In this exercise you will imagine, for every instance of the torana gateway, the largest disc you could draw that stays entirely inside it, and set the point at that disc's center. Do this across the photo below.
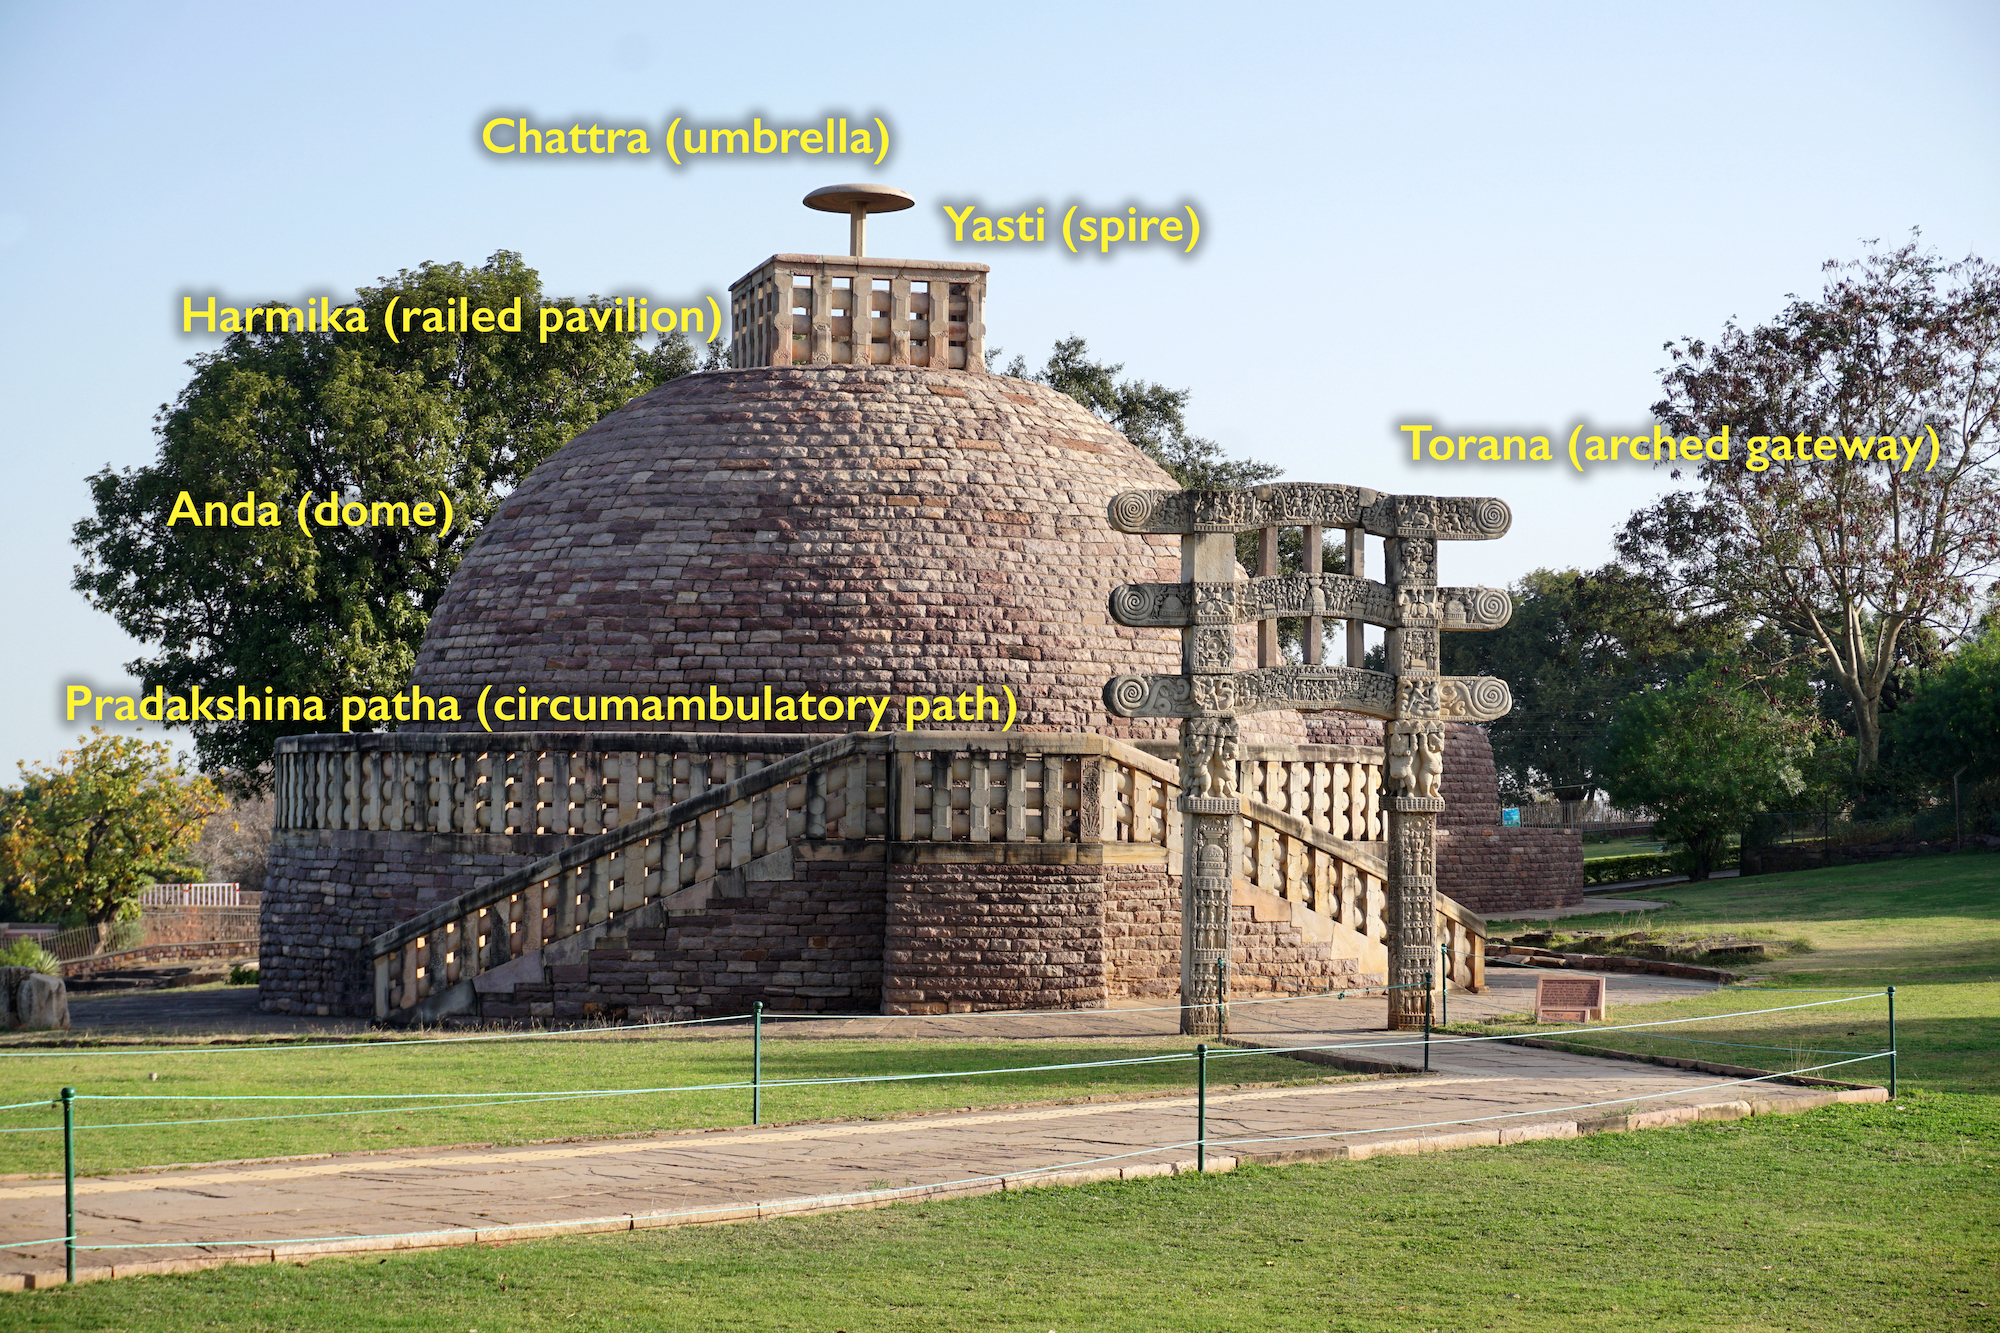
(858, 512)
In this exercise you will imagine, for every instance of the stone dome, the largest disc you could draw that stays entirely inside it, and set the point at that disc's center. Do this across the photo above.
(839, 529)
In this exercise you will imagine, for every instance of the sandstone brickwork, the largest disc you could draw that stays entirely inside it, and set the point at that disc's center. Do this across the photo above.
(814, 943)
(845, 530)
(328, 892)
(1142, 942)
(1495, 870)
(962, 938)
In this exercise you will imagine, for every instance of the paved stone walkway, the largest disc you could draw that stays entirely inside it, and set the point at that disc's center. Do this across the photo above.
(1480, 1094)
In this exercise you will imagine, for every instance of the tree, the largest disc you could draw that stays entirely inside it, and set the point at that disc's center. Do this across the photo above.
(1705, 755)
(1852, 547)
(1577, 646)
(460, 416)
(110, 817)
(1950, 725)
(1148, 414)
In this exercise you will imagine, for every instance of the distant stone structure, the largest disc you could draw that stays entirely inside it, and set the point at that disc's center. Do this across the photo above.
(856, 509)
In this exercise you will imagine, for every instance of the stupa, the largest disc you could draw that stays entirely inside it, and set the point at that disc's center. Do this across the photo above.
(857, 508)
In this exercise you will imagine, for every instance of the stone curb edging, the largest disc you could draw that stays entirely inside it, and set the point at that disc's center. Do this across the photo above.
(1733, 1109)
(1611, 962)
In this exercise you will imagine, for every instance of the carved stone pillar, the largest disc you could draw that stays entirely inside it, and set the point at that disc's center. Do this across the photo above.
(1209, 852)
(1208, 782)
(1414, 762)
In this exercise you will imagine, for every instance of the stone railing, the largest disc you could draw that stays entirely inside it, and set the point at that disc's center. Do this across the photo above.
(575, 783)
(828, 310)
(663, 828)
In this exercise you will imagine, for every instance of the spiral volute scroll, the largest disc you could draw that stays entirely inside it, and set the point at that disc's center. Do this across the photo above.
(1492, 518)
(1130, 510)
(1492, 608)
(1133, 604)
(1478, 698)
(1127, 695)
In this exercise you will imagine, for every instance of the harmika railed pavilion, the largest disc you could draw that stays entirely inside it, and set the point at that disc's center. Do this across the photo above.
(856, 508)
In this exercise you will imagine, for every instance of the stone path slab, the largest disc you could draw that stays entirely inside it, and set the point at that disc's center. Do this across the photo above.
(1480, 1094)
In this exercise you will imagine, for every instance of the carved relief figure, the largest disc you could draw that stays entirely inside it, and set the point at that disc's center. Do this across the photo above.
(1416, 606)
(1214, 603)
(1212, 752)
(1430, 764)
(1416, 559)
(1401, 774)
(1214, 694)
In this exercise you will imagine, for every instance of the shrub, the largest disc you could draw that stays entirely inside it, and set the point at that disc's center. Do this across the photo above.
(27, 953)
(240, 975)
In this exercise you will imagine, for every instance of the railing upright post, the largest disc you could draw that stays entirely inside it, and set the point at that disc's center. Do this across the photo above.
(757, 1064)
(69, 1184)
(1201, 1107)
(1892, 1043)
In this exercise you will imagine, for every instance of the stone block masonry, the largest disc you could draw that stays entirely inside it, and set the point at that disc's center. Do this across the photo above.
(328, 892)
(812, 943)
(1142, 938)
(1495, 870)
(961, 938)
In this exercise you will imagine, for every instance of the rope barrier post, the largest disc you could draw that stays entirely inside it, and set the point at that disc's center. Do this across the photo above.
(1444, 991)
(1427, 1021)
(1892, 1043)
(757, 1064)
(1201, 1107)
(69, 1184)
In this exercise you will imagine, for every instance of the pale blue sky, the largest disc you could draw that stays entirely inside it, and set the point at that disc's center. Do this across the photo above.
(1469, 214)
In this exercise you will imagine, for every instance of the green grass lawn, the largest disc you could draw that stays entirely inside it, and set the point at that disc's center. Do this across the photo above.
(514, 1067)
(1930, 926)
(1850, 1218)
(1593, 851)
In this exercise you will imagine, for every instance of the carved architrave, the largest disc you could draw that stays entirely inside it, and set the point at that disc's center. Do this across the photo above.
(1417, 696)
(1308, 689)
(1303, 504)
(1173, 605)
(1475, 608)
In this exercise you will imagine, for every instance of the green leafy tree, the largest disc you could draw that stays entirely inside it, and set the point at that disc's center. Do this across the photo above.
(1148, 414)
(1705, 755)
(1950, 724)
(1848, 553)
(1578, 645)
(430, 417)
(108, 818)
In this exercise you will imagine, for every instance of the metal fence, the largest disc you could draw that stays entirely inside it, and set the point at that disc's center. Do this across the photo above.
(170, 925)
